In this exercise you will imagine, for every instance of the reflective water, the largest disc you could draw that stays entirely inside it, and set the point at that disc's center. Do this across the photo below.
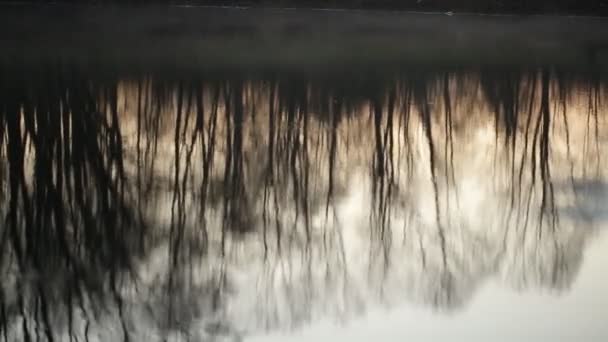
(446, 203)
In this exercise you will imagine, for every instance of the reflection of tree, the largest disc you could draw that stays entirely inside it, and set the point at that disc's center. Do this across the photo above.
(69, 229)
(215, 207)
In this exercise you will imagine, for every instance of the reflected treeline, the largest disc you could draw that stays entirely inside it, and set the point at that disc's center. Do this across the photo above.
(146, 207)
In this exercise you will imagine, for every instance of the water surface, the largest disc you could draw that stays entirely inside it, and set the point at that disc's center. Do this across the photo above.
(155, 194)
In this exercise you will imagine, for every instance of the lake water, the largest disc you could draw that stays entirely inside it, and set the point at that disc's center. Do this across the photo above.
(212, 174)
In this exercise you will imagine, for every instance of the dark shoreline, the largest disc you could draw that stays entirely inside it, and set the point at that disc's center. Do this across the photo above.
(494, 7)
(208, 38)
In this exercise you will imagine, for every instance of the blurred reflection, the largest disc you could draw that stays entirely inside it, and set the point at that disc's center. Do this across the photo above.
(143, 207)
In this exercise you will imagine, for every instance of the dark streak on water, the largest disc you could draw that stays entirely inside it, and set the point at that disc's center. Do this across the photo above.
(135, 201)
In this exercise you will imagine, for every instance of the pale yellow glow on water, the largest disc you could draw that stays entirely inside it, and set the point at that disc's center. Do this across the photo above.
(273, 219)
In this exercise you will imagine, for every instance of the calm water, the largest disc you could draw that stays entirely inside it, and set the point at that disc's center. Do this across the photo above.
(154, 194)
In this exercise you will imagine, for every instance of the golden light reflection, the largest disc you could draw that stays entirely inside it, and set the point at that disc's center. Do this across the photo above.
(262, 205)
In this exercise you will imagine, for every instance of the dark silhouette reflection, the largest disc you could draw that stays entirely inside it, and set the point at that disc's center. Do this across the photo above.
(142, 207)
